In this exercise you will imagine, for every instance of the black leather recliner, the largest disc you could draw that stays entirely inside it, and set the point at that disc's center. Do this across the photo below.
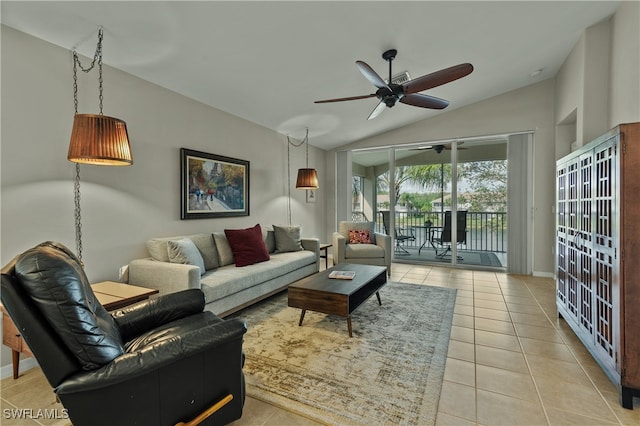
(159, 362)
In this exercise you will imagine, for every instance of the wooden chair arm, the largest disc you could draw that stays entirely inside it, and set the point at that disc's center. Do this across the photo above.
(206, 413)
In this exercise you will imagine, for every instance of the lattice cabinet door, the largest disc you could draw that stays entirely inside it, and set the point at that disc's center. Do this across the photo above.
(568, 235)
(598, 243)
(562, 223)
(605, 251)
(584, 243)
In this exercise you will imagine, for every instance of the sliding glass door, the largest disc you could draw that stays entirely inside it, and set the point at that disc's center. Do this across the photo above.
(443, 203)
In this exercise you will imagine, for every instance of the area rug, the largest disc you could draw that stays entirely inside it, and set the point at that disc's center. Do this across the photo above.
(467, 257)
(389, 373)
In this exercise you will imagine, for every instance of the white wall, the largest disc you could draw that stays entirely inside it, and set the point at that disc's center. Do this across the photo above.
(122, 207)
(598, 86)
(624, 77)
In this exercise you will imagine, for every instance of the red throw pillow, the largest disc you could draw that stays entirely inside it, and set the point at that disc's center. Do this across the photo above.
(359, 236)
(247, 245)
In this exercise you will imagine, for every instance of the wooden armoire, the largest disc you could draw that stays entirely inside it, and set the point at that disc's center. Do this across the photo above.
(598, 252)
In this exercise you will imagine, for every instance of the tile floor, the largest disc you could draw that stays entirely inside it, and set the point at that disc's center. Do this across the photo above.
(510, 362)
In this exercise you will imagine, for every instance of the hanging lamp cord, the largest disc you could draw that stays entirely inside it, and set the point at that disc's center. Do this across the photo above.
(289, 144)
(97, 58)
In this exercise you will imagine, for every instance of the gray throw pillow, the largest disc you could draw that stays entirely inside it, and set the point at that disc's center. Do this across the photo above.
(184, 251)
(287, 238)
(224, 249)
(269, 239)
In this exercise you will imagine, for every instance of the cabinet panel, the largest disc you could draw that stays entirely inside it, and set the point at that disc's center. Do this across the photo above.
(598, 231)
(584, 243)
(605, 249)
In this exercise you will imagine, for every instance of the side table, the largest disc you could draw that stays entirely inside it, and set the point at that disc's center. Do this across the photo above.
(112, 295)
(11, 337)
(324, 247)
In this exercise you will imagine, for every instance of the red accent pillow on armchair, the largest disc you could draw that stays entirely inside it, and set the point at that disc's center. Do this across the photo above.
(359, 236)
(247, 245)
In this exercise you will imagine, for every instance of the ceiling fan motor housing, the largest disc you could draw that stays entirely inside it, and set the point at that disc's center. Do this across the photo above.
(390, 95)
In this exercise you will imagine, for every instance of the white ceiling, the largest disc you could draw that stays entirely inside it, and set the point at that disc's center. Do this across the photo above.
(268, 61)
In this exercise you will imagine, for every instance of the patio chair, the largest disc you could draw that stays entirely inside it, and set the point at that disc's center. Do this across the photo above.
(401, 235)
(442, 244)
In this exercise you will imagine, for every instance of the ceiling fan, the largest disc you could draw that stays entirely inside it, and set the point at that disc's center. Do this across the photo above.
(390, 93)
(438, 148)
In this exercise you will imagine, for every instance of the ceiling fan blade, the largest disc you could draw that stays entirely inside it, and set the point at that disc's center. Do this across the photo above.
(437, 78)
(351, 98)
(377, 110)
(371, 75)
(424, 101)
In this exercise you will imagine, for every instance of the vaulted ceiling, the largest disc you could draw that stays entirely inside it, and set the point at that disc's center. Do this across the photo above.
(268, 61)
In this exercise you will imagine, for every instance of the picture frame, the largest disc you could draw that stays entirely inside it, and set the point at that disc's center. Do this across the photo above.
(311, 195)
(212, 185)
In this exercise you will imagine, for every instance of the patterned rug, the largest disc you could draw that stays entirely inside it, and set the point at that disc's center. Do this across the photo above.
(389, 373)
(467, 257)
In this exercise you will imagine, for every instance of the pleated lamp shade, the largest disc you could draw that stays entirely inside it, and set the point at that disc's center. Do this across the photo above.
(99, 140)
(307, 179)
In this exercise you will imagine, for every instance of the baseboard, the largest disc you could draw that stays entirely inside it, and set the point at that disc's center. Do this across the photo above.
(25, 364)
(543, 274)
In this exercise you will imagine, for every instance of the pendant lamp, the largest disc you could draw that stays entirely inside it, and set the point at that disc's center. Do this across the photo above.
(95, 138)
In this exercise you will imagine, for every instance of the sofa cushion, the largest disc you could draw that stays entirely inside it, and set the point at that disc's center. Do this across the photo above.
(207, 248)
(159, 251)
(287, 238)
(346, 226)
(225, 255)
(53, 277)
(229, 280)
(247, 245)
(184, 251)
(269, 239)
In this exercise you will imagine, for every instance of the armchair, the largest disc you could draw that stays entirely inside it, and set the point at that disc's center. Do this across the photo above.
(378, 252)
(162, 361)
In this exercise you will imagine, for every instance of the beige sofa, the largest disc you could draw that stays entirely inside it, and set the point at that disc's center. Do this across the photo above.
(227, 288)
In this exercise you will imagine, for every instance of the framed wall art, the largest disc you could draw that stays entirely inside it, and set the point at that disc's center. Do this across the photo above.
(311, 195)
(212, 185)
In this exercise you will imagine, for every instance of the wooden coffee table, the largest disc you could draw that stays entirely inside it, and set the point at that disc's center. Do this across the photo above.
(320, 293)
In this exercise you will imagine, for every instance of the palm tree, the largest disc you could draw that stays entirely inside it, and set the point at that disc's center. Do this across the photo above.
(429, 176)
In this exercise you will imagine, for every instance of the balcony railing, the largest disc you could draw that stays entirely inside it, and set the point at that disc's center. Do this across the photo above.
(486, 231)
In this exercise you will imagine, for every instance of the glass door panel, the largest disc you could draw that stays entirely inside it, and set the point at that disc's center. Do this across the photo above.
(434, 215)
